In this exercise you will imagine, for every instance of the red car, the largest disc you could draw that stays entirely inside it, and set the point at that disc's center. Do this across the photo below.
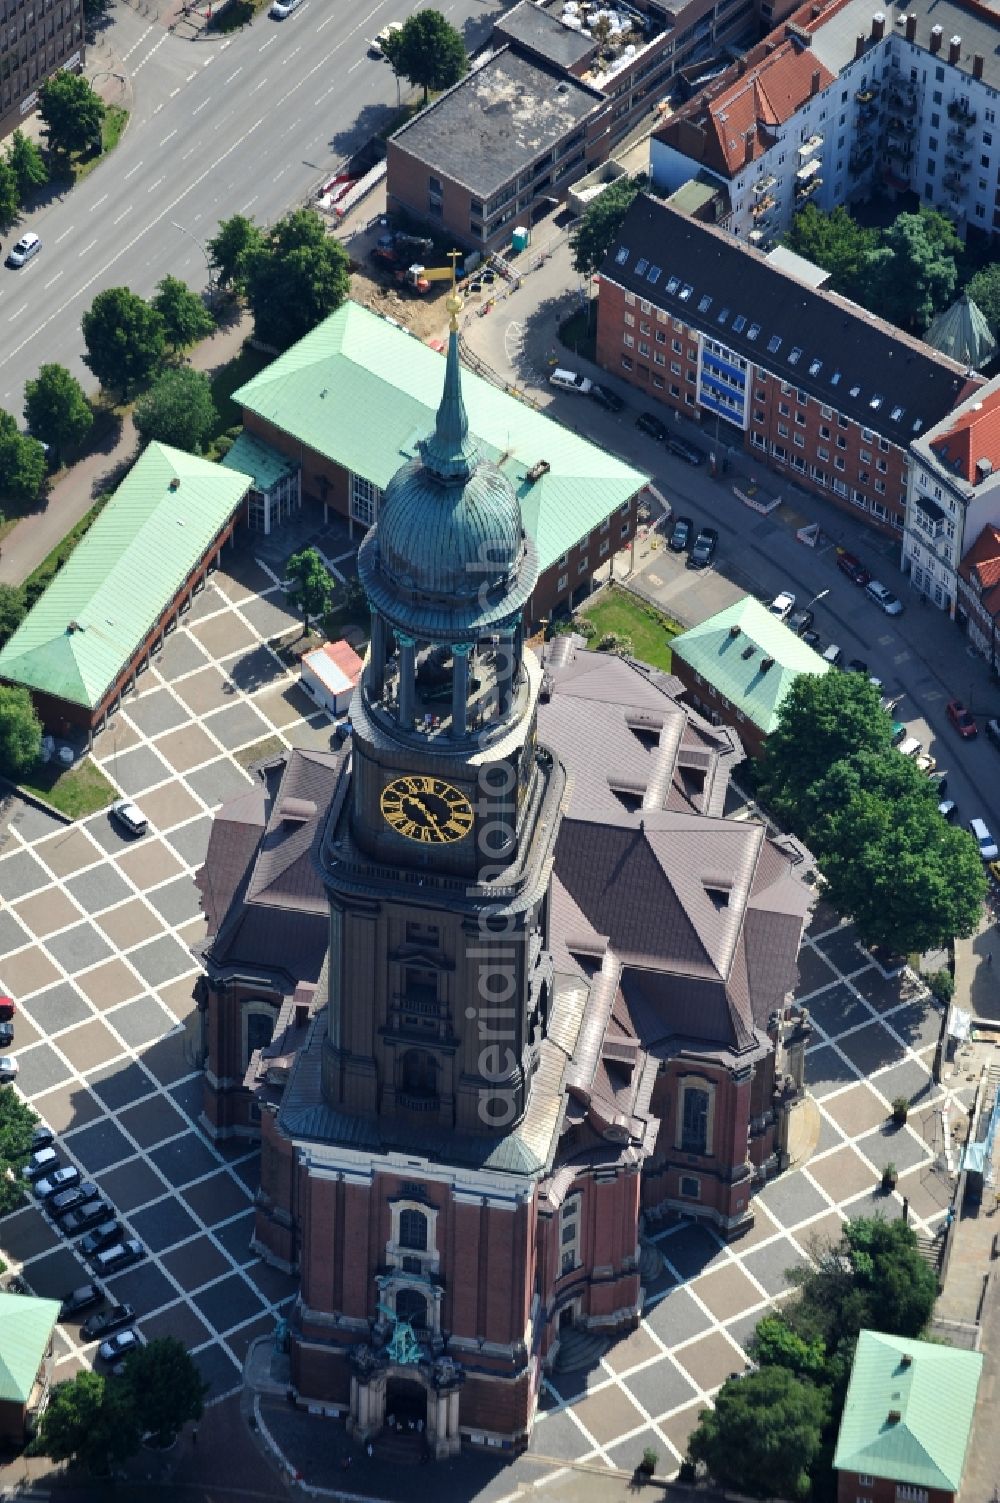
(852, 566)
(7, 1009)
(962, 720)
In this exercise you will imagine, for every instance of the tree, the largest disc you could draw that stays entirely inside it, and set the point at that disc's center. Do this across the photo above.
(27, 164)
(166, 1390)
(874, 1276)
(90, 1421)
(124, 339)
(296, 279)
(13, 608)
(313, 585)
(913, 274)
(185, 317)
(20, 733)
(775, 1344)
(73, 113)
(763, 1435)
(10, 199)
(17, 1123)
(824, 719)
(178, 410)
(22, 462)
(984, 290)
(836, 242)
(599, 226)
(427, 51)
(229, 252)
(56, 410)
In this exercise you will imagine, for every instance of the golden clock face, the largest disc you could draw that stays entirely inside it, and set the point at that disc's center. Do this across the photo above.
(426, 809)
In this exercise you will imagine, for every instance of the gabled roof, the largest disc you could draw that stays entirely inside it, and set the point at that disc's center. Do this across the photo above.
(26, 1325)
(730, 651)
(113, 588)
(962, 332)
(908, 1412)
(362, 393)
(981, 565)
(972, 434)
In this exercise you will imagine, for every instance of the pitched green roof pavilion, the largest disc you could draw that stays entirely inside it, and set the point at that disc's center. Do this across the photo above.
(363, 393)
(25, 1330)
(719, 650)
(116, 584)
(908, 1413)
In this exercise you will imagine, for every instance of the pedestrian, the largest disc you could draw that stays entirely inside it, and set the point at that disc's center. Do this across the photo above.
(989, 957)
(370, 1449)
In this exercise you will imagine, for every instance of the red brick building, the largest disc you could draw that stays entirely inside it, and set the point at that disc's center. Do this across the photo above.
(804, 379)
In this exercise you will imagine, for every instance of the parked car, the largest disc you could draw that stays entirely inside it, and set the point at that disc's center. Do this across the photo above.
(8, 1007)
(782, 605)
(8, 1069)
(962, 719)
(119, 1255)
(60, 1179)
(606, 398)
(42, 1137)
(646, 422)
(571, 381)
(980, 833)
(282, 8)
(680, 534)
(6, 1035)
(104, 1235)
(833, 655)
(684, 449)
(993, 732)
(129, 816)
(79, 1300)
(41, 1162)
(851, 565)
(68, 1200)
(704, 548)
(376, 45)
(857, 665)
(811, 639)
(25, 250)
(102, 1324)
(119, 1345)
(85, 1216)
(883, 598)
(947, 808)
(800, 621)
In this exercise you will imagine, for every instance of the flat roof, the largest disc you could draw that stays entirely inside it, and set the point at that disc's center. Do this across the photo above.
(498, 120)
(538, 28)
(362, 393)
(112, 590)
(834, 36)
(335, 664)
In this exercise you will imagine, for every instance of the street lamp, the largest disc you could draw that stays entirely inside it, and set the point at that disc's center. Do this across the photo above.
(208, 260)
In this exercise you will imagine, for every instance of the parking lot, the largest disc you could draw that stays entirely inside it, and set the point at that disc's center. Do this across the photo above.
(95, 936)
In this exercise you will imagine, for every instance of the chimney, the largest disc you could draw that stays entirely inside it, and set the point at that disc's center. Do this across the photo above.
(741, 65)
(977, 65)
(936, 37)
(984, 469)
(878, 26)
(859, 45)
(766, 665)
(954, 51)
(817, 11)
(894, 1417)
(911, 28)
(906, 1360)
(734, 631)
(814, 83)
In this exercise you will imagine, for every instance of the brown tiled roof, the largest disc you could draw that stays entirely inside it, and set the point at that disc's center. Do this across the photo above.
(972, 435)
(982, 564)
(236, 831)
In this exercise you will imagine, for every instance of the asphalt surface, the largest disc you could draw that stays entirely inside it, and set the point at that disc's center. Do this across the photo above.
(249, 124)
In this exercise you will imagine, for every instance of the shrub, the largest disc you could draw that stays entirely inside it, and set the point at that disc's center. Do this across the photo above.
(942, 985)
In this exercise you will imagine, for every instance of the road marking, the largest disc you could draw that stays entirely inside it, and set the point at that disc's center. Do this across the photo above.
(271, 41)
(326, 22)
(52, 280)
(131, 171)
(199, 107)
(209, 59)
(248, 205)
(63, 235)
(20, 310)
(191, 75)
(157, 110)
(189, 153)
(88, 248)
(234, 74)
(153, 186)
(280, 174)
(123, 215)
(137, 44)
(174, 92)
(143, 61)
(351, 69)
(98, 203)
(261, 85)
(169, 137)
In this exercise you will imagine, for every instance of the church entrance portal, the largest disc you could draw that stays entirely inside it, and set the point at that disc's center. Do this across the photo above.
(406, 1402)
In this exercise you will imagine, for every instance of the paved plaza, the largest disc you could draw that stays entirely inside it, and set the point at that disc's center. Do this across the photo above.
(95, 936)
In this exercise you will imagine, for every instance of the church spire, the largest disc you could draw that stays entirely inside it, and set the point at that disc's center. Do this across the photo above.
(449, 452)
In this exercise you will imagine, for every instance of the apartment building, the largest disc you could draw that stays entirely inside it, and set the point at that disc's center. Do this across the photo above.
(953, 496)
(844, 97)
(768, 361)
(978, 608)
(36, 38)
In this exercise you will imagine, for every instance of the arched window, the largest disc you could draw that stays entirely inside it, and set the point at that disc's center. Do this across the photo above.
(411, 1306)
(258, 1027)
(413, 1230)
(419, 1073)
(694, 1122)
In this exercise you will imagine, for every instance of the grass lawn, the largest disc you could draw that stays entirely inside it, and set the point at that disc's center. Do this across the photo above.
(76, 791)
(620, 611)
(112, 130)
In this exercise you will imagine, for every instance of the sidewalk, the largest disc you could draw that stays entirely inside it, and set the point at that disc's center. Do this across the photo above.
(72, 496)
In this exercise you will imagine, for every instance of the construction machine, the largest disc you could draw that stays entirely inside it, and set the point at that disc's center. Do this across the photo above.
(418, 279)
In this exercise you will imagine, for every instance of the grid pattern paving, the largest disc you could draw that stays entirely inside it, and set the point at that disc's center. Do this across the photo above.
(95, 936)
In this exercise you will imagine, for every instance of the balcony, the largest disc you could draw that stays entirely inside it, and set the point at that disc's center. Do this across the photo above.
(906, 104)
(960, 111)
(764, 184)
(867, 96)
(804, 174)
(808, 147)
(761, 208)
(960, 140)
(952, 182)
(411, 1101)
(806, 190)
(900, 149)
(860, 161)
(957, 161)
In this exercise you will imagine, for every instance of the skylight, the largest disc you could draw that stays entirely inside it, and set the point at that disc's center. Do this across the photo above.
(685, 292)
(723, 315)
(855, 391)
(774, 344)
(897, 413)
(640, 267)
(835, 379)
(654, 273)
(739, 323)
(794, 356)
(753, 331)
(704, 305)
(673, 285)
(623, 255)
(875, 403)
(815, 366)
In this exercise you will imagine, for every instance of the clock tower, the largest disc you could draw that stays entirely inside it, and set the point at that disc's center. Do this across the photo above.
(437, 868)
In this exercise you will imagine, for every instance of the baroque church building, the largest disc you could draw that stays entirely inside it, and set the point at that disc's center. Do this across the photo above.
(491, 982)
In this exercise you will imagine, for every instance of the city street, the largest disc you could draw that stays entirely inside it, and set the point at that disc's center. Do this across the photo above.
(249, 123)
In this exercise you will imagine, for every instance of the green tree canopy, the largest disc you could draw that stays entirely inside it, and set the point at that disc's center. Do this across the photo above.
(238, 240)
(296, 279)
(913, 274)
(776, 1344)
(89, 1420)
(124, 339)
(10, 198)
(56, 409)
(165, 1388)
(822, 720)
(17, 1123)
(593, 237)
(72, 111)
(873, 1277)
(984, 290)
(427, 51)
(313, 585)
(185, 317)
(178, 410)
(13, 607)
(763, 1435)
(836, 242)
(20, 733)
(27, 164)
(22, 463)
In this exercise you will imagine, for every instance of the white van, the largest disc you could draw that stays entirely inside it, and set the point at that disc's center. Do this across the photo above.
(910, 747)
(832, 655)
(570, 381)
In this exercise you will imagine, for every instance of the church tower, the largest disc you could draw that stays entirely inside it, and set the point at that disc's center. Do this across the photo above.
(437, 876)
